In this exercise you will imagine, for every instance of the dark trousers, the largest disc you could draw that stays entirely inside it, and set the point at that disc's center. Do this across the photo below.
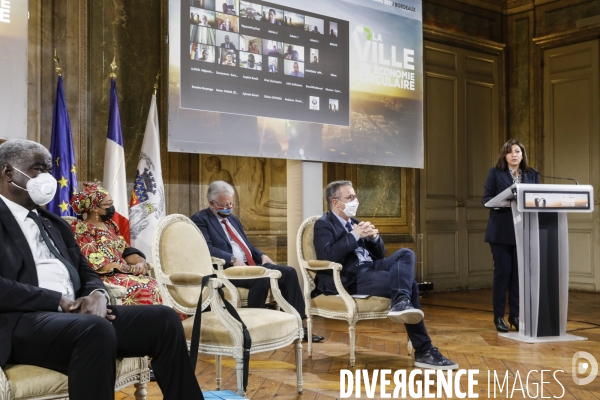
(394, 277)
(85, 347)
(288, 284)
(506, 277)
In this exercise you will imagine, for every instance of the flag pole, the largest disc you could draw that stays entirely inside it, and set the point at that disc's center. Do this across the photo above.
(113, 67)
(156, 83)
(58, 69)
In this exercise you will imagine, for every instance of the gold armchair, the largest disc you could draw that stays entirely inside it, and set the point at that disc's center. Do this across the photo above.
(181, 258)
(27, 382)
(343, 306)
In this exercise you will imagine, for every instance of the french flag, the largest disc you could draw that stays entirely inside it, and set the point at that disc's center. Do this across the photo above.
(114, 165)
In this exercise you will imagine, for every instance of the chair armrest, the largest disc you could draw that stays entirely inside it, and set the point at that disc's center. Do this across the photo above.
(320, 265)
(220, 263)
(4, 386)
(248, 272)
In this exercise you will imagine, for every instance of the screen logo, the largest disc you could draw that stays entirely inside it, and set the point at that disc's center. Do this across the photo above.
(584, 363)
(314, 102)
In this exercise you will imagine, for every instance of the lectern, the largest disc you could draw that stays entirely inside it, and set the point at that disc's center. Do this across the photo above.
(542, 235)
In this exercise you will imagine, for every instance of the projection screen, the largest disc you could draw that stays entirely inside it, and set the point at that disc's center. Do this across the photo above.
(321, 80)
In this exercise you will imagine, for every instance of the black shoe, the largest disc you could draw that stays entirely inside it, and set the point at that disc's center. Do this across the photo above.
(152, 377)
(403, 312)
(500, 324)
(432, 359)
(315, 338)
(514, 322)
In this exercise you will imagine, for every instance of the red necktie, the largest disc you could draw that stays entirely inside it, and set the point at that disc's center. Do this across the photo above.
(249, 259)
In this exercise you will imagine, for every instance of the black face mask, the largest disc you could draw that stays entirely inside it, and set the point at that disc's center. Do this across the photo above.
(110, 212)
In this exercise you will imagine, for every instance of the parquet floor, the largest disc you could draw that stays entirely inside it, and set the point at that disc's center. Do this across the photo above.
(459, 323)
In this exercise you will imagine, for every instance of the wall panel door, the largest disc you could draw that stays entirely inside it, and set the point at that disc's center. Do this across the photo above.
(462, 137)
(572, 146)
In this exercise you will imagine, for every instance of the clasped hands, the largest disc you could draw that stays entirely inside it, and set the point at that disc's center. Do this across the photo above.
(137, 264)
(265, 260)
(94, 304)
(366, 229)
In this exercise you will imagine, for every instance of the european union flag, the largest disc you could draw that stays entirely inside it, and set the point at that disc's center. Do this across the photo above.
(63, 157)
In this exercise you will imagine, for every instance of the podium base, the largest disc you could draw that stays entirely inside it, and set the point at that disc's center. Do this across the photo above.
(544, 339)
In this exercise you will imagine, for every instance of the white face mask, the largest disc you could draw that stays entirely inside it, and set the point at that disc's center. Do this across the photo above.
(41, 189)
(351, 208)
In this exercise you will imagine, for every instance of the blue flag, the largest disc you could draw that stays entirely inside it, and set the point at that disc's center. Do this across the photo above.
(63, 157)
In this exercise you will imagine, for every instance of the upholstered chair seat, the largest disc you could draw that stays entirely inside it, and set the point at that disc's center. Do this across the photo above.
(26, 382)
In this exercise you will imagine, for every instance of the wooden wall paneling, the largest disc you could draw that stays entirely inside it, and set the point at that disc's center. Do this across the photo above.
(572, 144)
(519, 35)
(561, 16)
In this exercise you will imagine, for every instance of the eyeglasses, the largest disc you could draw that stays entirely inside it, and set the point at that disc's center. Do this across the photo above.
(230, 205)
(352, 197)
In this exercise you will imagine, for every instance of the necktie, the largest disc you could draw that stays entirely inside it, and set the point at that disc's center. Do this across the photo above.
(233, 236)
(74, 275)
(349, 226)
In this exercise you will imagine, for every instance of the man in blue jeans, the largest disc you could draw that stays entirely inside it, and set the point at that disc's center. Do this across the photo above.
(357, 246)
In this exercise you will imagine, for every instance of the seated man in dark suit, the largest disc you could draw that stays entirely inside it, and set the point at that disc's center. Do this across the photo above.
(53, 306)
(227, 240)
(357, 246)
(227, 44)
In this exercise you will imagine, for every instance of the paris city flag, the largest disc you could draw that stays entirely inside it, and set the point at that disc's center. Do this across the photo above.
(114, 165)
(63, 156)
(147, 204)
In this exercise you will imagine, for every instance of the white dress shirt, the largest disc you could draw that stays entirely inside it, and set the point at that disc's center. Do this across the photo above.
(52, 273)
(238, 253)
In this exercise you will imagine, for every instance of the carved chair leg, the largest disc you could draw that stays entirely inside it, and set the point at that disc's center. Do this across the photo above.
(352, 332)
(218, 371)
(140, 391)
(298, 347)
(309, 320)
(409, 345)
(239, 370)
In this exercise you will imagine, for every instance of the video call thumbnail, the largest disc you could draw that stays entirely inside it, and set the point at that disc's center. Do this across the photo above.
(314, 56)
(227, 40)
(202, 35)
(293, 19)
(201, 52)
(274, 64)
(334, 105)
(314, 25)
(251, 44)
(272, 16)
(293, 52)
(293, 68)
(202, 17)
(272, 48)
(333, 29)
(226, 22)
(250, 61)
(227, 57)
(250, 10)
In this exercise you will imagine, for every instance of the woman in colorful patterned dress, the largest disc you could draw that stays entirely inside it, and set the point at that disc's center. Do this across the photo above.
(107, 251)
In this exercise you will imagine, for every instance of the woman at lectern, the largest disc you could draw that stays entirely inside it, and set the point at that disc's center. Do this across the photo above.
(510, 168)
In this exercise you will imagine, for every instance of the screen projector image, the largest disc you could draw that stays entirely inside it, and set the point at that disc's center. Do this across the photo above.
(346, 85)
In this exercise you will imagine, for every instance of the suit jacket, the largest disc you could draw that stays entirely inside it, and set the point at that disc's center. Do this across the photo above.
(231, 46)
(216, 239)
(500, 228)
(19, 290)
(334, 243)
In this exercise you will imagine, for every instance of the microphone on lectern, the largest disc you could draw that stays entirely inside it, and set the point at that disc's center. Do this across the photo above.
(553, 177)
